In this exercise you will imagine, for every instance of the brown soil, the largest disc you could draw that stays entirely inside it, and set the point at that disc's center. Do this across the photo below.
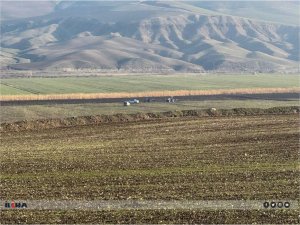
(99, 119)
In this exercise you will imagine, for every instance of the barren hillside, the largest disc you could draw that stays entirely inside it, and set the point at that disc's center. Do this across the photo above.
(150, 36)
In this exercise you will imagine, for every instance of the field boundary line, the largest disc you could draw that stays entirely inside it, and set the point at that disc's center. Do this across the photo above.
(100, 119)
(18, 88)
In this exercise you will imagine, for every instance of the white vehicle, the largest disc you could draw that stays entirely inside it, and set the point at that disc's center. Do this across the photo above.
(134, 101)
(126, 103)
(171, 100)
(129, 102)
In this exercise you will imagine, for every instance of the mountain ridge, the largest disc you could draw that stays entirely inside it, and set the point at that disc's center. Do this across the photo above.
(166, 38)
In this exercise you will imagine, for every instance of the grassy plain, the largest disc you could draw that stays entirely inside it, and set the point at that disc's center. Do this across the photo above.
(222, 158)
(34, 112)
(139, 83)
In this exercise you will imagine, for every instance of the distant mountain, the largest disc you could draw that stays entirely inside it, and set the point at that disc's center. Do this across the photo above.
(153, 36)
(11, 10)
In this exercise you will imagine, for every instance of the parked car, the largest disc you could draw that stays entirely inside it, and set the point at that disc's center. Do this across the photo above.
(135, 101)
(170, 100)
(129, 102)
(126, 103)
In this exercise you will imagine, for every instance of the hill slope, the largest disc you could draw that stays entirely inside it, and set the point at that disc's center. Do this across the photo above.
(149, 36)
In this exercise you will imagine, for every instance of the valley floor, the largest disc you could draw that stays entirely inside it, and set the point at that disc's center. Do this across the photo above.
(34, 110)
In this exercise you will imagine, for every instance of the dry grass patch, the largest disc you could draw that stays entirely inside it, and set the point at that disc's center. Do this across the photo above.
(148, 94)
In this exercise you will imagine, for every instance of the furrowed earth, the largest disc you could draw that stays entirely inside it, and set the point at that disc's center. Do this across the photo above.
(231, 157)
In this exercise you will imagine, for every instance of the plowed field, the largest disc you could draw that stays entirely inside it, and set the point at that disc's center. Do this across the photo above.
(211, 158)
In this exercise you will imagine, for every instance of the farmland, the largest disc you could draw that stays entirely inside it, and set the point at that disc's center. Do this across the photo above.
(73, 154)
(138, 86)
(13, 113)
(223, 158)
(143, 83)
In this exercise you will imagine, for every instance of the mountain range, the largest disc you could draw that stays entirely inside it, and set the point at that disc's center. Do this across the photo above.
(151, 36)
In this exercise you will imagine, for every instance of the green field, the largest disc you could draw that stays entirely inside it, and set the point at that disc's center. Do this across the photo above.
(34, 112)
(141, 83)
(216, 158)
